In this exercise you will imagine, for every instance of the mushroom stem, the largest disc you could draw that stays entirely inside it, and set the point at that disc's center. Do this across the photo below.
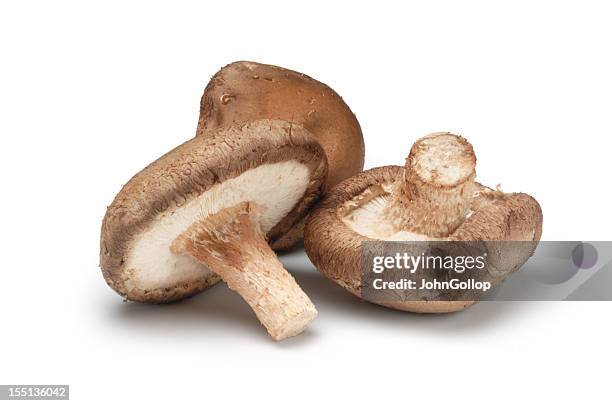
(231, 244)
(433, 195)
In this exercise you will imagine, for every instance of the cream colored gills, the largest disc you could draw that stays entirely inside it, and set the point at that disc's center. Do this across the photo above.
(367, 218)
(276, 187)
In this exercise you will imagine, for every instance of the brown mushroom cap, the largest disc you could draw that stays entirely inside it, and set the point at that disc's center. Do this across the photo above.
(357, 210)
(274, 164)
(245, 91)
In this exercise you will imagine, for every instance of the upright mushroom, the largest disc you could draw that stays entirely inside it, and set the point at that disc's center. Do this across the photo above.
(433, 197)
(206, 210)
(245, 91)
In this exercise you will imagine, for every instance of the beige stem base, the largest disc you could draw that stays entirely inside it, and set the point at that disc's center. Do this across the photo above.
(231, 244)
(429, 209)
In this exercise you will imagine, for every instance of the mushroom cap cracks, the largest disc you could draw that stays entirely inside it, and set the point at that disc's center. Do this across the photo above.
(352, 212)
(275, 164)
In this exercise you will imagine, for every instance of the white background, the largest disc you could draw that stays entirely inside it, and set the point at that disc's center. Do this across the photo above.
(91, 93)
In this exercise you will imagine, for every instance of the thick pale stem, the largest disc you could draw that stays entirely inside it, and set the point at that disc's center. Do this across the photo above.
(433, 196)
(231, 244)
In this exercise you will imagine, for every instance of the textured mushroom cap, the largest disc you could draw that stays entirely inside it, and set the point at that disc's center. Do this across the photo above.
(245, 91)
(275, 164)
(337, 227)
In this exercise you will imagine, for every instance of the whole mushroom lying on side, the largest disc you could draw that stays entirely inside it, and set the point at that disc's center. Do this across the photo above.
(245, 91)
(433, 197)
(206, 210)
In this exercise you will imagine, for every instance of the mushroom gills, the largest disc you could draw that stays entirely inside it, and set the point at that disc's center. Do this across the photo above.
(434, 196)
(366, 214)
(232, 244)
(368, 219)
(276, 187)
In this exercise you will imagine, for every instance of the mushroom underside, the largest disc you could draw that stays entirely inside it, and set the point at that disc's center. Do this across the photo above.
(277, 188)
(272, 164)
(355, 211)
(366, 214)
